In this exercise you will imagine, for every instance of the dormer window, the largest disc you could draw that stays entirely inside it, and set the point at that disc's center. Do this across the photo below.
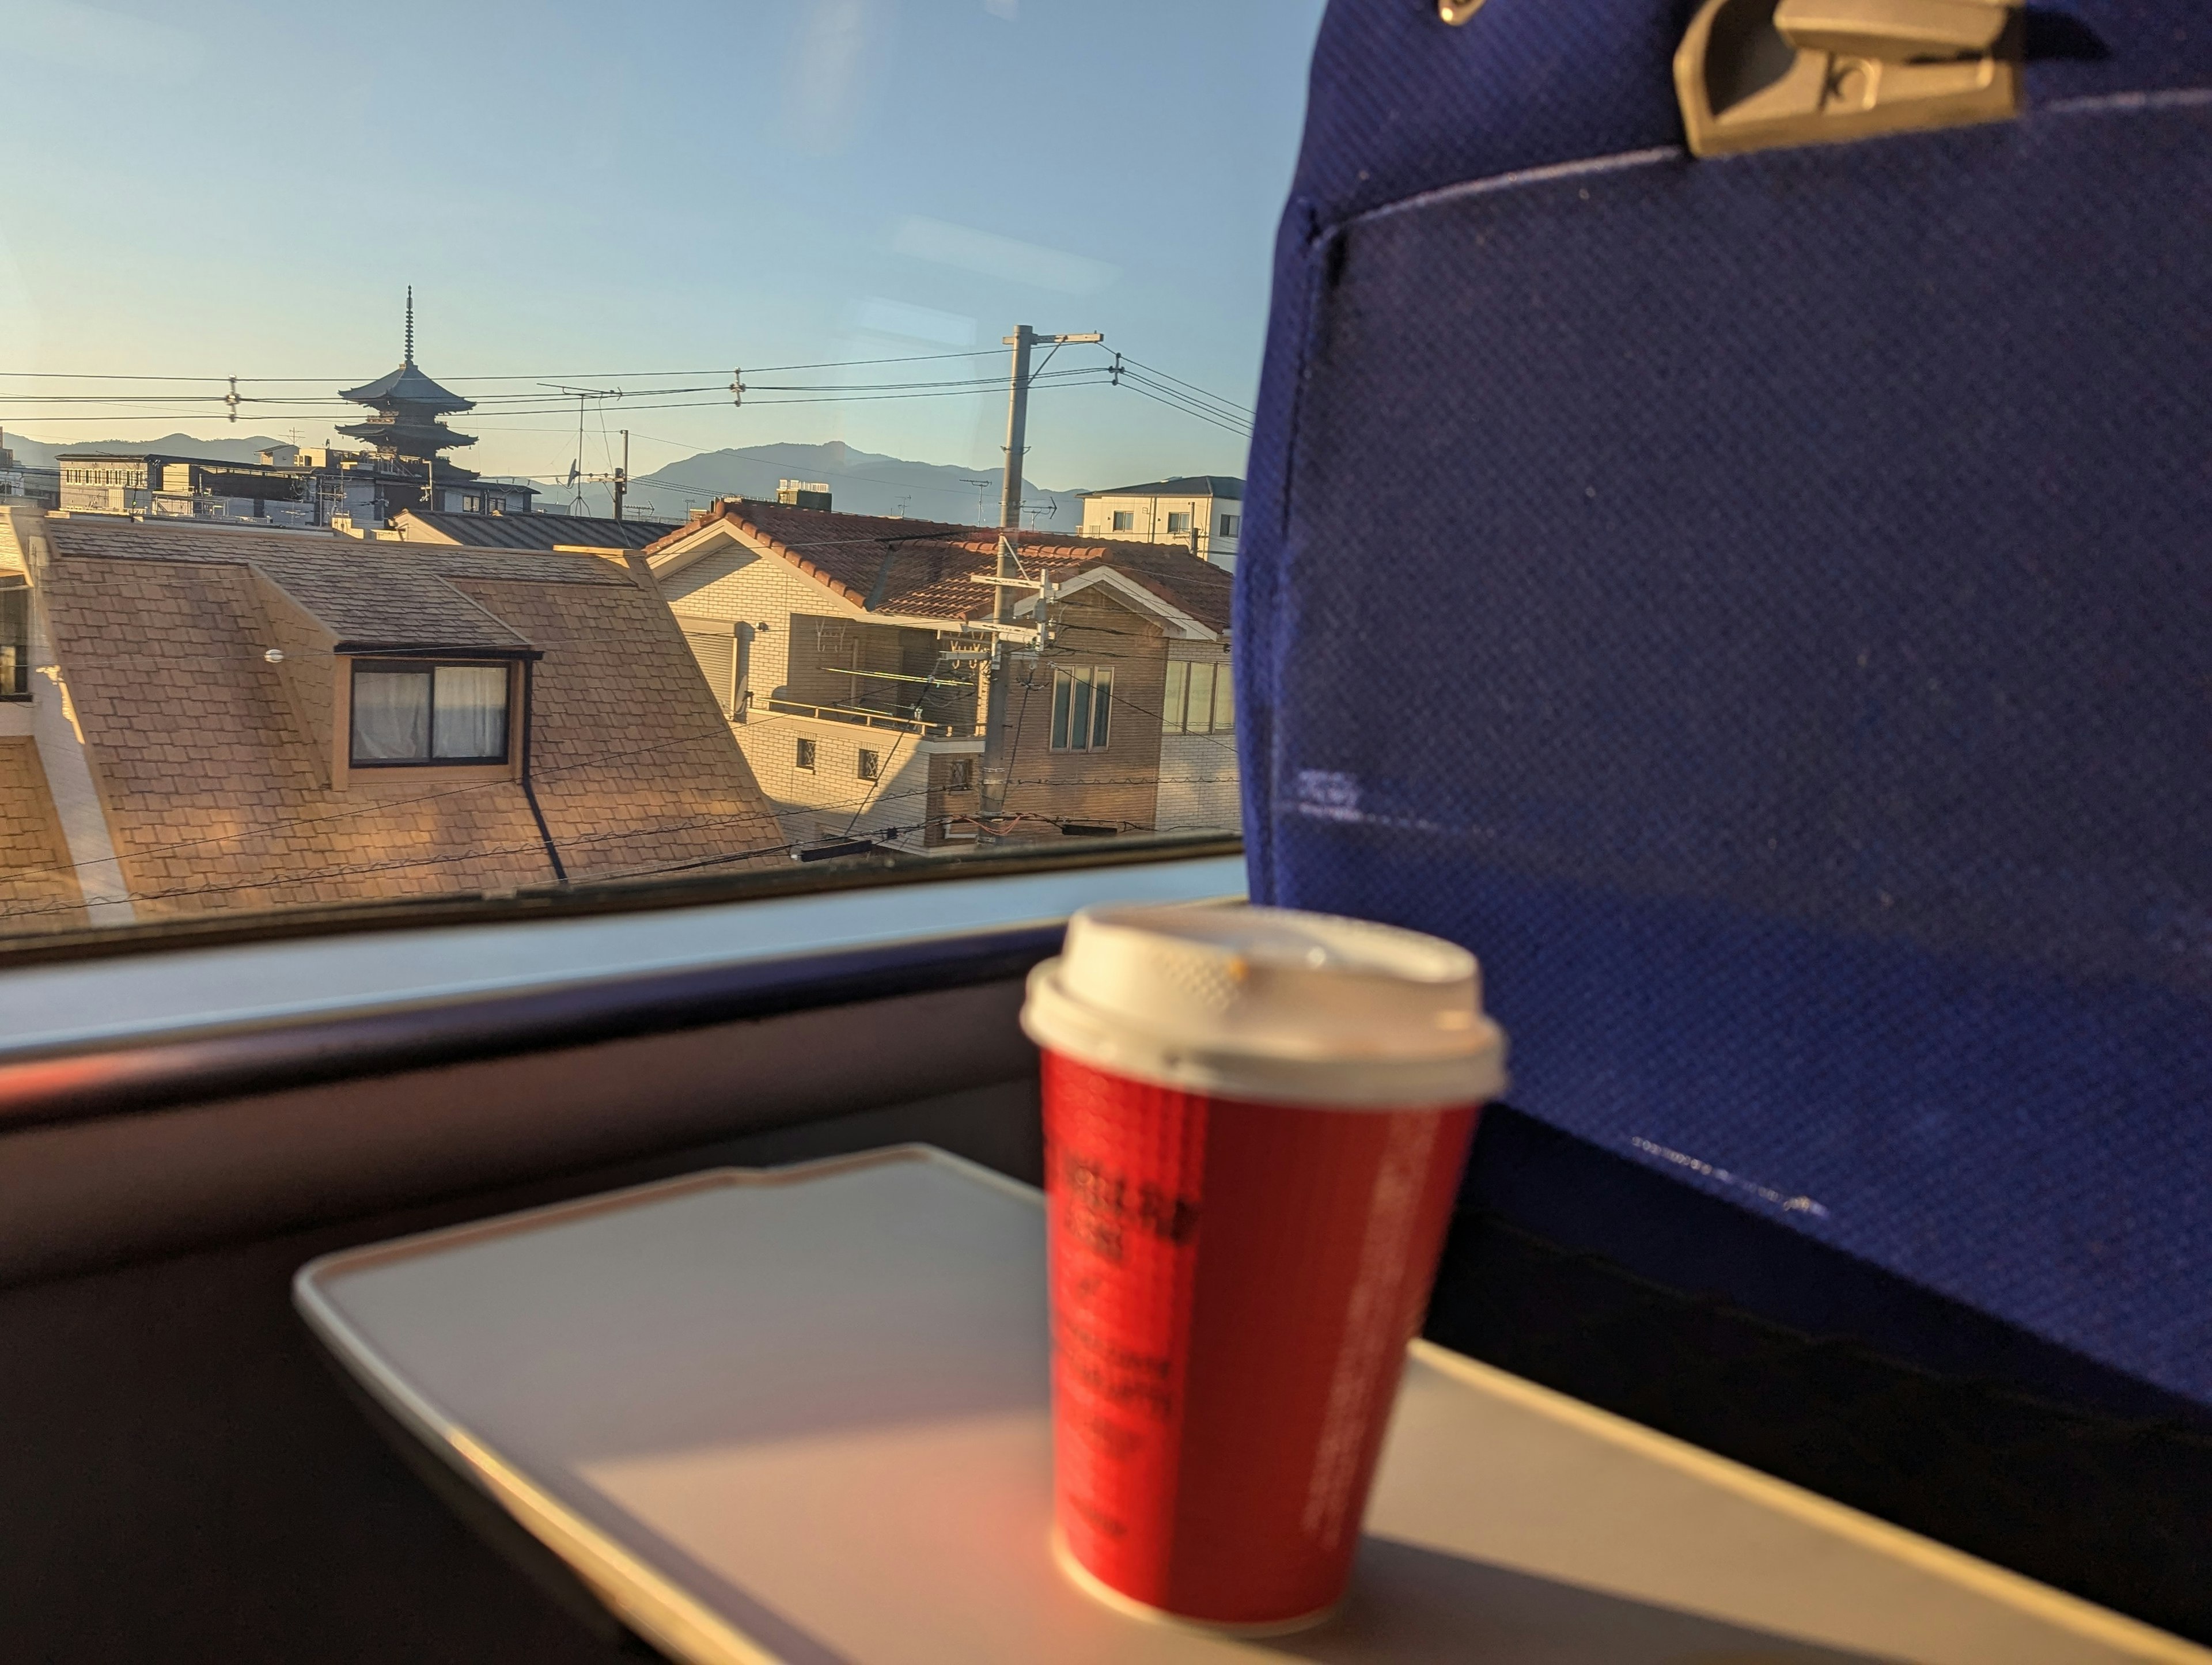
(407, 712)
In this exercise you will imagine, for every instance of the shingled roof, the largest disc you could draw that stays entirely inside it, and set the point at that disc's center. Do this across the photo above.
(530, 532)
(924, 569)
(214, 763)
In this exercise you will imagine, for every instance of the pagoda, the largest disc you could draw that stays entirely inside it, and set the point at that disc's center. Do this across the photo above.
(405, 429)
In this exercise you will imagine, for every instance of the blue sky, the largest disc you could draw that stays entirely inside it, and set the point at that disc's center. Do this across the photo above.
(585, 193)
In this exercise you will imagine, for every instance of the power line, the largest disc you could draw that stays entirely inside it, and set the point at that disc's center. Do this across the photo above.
(588, 375)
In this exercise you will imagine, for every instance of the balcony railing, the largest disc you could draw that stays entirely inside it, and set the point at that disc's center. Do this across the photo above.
(863, 718)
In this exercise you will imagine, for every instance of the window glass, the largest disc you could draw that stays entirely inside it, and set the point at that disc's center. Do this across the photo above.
(469, 711)
(390, 716)
(1078, 721)
(531, 524)
(430, 713)
(1171, 707)
(1225, 699)
(1082, 708)
(1202, 696)
(15, 640)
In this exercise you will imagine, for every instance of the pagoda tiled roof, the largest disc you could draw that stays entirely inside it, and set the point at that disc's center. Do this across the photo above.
(407, 385)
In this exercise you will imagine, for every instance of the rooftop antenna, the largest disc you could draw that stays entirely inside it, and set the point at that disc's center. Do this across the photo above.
(409, 356)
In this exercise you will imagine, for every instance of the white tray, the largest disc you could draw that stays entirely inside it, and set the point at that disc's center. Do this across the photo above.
(801, 1415)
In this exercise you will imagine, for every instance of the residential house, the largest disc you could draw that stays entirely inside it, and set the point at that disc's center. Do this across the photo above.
(1202, 512)
(196, 719)
(850, 655)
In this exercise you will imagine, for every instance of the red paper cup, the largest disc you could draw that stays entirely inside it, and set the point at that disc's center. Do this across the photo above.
(1255, 1125)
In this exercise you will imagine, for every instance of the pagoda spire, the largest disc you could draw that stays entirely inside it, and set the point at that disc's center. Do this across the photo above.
(407, 405)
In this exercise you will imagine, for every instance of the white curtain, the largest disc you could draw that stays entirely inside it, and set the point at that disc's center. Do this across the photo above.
(471, 703)
(390, 714)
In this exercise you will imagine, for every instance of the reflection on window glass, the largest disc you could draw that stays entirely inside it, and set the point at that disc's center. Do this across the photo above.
(687, 619)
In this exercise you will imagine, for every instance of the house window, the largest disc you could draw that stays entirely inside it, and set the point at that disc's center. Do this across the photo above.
(960, 774)
(1082, 708)
(1230, 523)
(806, 758)
(428, 714)
(1200, 698)
(15, 640)
(472, 503)
(870, 766)
(1179, 526)
(1125, 520)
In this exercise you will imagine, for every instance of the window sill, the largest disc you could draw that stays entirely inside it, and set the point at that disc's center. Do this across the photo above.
(148, 1029)
(412, 775)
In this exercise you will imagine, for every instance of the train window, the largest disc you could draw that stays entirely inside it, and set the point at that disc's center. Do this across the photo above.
(535, 568)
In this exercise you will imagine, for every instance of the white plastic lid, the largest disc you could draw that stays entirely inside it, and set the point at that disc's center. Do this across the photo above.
(1269, 1004)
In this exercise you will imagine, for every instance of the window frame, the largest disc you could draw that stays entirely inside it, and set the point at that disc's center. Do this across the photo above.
(1097, 713)
(1220, 697)
(428, 668)
(867, 763)
(15, 689)
(1125, 520)
(806, 754)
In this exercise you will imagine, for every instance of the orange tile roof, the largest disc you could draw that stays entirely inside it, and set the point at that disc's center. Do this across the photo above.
(217, 794)
(924, 569)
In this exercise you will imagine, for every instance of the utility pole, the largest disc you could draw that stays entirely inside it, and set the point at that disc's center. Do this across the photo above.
(621, 476)
(1008, 577)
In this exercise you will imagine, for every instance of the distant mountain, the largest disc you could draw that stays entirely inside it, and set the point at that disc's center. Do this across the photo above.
(40, 453)
(859, 482)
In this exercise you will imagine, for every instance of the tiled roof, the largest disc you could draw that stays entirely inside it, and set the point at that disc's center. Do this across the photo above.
(925, 570)
(215, 780)
(532, 532)
(407, 384)
(1190, 485)
(36, 876)
(371, 594)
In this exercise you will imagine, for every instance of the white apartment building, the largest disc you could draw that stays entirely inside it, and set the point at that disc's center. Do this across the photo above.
(1204, 512)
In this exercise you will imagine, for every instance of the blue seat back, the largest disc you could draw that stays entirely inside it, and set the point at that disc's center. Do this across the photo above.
(1764, 607)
